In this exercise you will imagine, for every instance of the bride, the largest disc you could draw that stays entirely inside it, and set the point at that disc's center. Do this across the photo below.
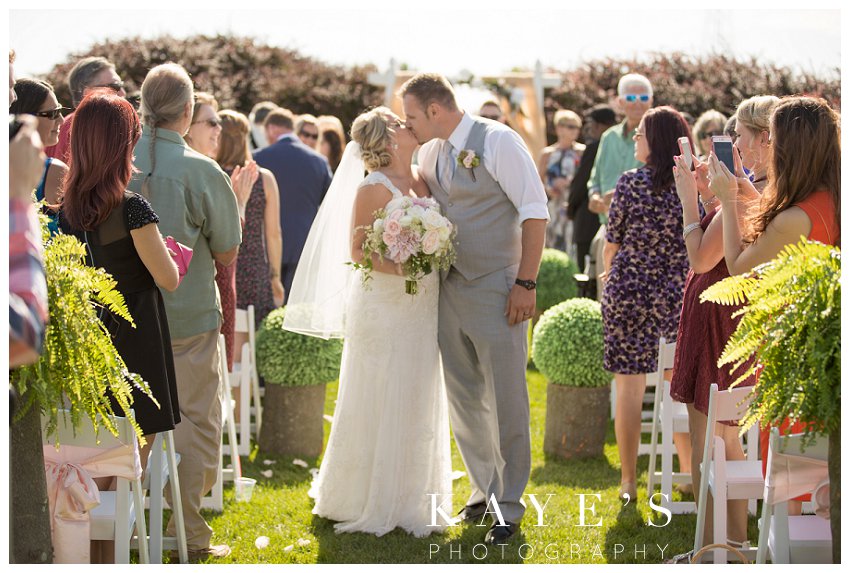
(388, 452)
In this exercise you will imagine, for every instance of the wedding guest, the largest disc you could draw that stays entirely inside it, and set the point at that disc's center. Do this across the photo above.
(307, 128)
(203, 137)
(258, 281)
(557, 165)
(303, 177)
(491, 109)
(257, 117)
(36, 97)
(616, 155)
(709, 123)
(802, 197)
(752, 127)
(331, 140)
(197, 206)
(729, 128)
(645, 267)
(90, 72)
(585, 224)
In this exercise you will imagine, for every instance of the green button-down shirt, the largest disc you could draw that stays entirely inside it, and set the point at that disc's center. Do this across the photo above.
(616, 155)
(196, 205)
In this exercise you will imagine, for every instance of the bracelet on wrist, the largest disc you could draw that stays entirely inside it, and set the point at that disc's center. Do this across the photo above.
(689, 229)
(709, 202)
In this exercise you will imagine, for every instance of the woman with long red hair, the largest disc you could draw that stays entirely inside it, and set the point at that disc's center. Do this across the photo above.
(120, 232)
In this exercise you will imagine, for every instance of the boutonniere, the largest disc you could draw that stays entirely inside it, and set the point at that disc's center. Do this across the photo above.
(467, 158)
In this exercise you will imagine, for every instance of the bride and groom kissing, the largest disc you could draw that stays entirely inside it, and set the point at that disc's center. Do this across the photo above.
(456, 351)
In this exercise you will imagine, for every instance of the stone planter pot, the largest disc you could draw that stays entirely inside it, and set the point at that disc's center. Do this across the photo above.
(576, 421)
(293, 420)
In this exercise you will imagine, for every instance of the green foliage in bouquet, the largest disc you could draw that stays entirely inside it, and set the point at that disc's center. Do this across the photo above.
(568, 344)
(791, 323)
(79, 362)
(555, 281)
(292, 359)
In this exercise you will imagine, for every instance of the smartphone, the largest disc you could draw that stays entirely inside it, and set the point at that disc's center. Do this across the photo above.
(687, 154)
(722, 145)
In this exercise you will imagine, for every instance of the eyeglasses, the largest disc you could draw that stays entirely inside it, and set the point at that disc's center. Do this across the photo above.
(705, 134)
(52, 114)
(308, 134)
(116, 86)
(633, 98)
(638, 135)
(212, 122)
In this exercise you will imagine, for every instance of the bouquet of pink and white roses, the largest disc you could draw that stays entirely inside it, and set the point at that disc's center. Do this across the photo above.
(409, 231)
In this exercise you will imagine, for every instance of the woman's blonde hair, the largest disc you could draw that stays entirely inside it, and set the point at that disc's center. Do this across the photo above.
(233, 143)
(165, 92)
(754, 113)
(565, 115)
(371, 130)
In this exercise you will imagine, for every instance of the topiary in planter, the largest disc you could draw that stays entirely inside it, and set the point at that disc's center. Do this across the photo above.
(555, 281)
(567, 347)
(296, 368)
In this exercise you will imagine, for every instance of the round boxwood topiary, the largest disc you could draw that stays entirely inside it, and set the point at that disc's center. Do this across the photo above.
(567, 345)
(555, 281)
(292, 359)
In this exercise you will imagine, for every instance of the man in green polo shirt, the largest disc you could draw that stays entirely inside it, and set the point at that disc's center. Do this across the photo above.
(196, 205)
(616, 156)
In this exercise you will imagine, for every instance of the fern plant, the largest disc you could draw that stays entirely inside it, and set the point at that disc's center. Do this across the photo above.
(791, 322)
(79, 363)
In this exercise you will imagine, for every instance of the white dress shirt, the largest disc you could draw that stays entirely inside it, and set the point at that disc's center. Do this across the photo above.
(508, 161)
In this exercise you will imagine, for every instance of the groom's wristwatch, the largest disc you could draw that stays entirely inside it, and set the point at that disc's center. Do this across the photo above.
(529, 284)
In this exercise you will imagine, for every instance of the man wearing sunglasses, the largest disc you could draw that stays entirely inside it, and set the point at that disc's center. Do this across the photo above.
(88, 73)
(616, 155)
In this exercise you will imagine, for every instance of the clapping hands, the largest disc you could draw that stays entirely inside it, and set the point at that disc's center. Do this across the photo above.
(243, 179)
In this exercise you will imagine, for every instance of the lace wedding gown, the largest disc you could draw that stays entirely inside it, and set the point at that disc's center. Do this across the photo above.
(389, 442)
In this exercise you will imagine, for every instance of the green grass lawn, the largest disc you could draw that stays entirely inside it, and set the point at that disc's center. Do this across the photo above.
(281, 510)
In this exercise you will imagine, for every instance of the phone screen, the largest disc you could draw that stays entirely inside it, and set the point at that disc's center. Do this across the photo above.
(723, 151)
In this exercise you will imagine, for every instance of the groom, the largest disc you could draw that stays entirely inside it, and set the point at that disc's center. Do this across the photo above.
(496, 200)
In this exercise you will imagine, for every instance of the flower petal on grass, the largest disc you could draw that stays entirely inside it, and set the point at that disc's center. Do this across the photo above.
(457, 474)
(261, 542)
(269, 462)
(329, 418)
(314, 472)
(303, 542)
(267, 473)
(300, 463)
(289, 548)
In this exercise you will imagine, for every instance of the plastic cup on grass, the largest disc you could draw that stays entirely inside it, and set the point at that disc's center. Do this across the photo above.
(244, 488)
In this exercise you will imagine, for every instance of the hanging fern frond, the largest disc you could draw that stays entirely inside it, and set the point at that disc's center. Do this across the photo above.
(792, 325)
(79, 366)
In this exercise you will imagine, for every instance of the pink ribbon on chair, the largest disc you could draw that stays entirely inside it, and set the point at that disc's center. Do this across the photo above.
(72, 492)
(792, 475)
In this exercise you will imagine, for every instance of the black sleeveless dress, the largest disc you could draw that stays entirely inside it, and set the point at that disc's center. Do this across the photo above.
(146, 349)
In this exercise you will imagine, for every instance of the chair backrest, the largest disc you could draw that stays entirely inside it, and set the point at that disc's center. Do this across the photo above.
(87, 435)
(666, 355)
(732, 404)
(792, 470)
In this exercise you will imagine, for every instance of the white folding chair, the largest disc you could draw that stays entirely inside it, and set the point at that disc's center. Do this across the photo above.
(792, 472)
(727, 479)
(668, 417)
(100, 454)
(244, 377)
(162, 469)
(214, 500)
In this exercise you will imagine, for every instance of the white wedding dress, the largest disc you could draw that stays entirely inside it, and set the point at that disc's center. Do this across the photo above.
(389, 442)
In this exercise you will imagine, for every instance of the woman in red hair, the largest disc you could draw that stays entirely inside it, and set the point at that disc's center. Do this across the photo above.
(120, 232)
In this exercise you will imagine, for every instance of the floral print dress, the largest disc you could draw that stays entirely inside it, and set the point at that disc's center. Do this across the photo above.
(642, 298)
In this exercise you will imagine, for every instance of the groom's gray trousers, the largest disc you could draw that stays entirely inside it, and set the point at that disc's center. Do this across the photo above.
(484, 361)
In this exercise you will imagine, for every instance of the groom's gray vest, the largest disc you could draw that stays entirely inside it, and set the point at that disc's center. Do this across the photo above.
(489, 237)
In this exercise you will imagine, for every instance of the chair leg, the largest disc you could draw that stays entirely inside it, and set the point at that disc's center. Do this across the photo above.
(174, 480)
(156, 502)
(653, 447)
(141, 530)
(666, 444)
(764, 532)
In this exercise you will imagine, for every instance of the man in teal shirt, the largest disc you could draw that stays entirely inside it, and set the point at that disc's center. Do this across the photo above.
(616, 156)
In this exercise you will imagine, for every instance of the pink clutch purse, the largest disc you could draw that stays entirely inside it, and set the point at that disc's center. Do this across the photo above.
(182, 256)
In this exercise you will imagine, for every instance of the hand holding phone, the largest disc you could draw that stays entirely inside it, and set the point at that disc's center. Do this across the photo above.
(722, 145)
(687, 154)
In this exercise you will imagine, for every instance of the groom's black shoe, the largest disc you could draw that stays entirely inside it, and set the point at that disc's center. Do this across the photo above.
(500, 533)
(472, 512)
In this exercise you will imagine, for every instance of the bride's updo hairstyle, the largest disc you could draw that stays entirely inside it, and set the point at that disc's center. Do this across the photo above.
(371, 130)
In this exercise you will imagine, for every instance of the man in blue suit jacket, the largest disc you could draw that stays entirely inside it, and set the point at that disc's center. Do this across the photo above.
(303, 177)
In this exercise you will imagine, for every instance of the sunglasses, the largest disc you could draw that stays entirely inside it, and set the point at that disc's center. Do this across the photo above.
(116, 86)
(308, 135)
(705, 134)
(52, 114)
(633, 98)
(213, 122)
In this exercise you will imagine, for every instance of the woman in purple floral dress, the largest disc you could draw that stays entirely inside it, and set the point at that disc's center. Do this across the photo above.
(645, 268)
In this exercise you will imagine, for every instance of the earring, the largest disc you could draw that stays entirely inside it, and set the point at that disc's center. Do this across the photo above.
(395, 145)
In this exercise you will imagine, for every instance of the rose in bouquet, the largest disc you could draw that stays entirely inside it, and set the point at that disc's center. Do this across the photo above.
(409, 231)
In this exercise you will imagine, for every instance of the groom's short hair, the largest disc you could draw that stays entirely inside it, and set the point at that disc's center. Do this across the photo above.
(430, 88)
